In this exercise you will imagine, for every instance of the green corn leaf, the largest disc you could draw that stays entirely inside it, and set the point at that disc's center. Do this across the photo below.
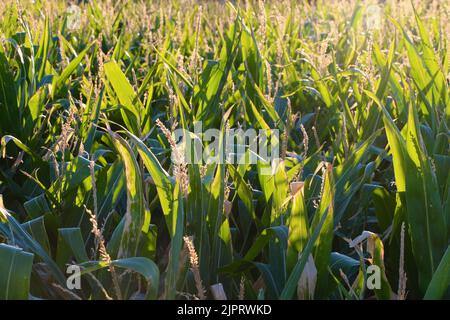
(298, 227)
(15, 273)
(37, 206)
(424, 207)
(126, 95)
(322, 246)
(10, 121)
(44, 46)
(70, 245)
(441, 279)
(292, 281)
(36, 229)
(28, 243)
(146, 267)
(176, 233)
(60, 80)
(134, 216)
(158, 174)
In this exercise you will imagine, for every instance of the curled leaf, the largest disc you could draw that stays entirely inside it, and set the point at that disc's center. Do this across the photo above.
(308, 279)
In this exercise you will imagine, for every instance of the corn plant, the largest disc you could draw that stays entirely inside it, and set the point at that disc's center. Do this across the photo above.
(99, 201)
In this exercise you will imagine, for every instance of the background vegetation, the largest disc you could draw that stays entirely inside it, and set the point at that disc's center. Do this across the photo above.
(359, 90)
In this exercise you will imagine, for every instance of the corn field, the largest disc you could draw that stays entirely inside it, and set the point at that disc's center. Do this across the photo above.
(98, 201)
